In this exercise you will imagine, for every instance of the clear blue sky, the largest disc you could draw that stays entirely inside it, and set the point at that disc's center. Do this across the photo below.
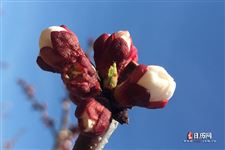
(186, 37)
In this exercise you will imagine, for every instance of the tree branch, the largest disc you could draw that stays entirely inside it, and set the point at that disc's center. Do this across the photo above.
(85, 142)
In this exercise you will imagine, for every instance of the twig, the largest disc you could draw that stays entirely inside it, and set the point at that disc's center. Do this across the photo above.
(8, 145)
(85, 142)
(63, 124)
(63, 137)
(36, 105)
(65, 113)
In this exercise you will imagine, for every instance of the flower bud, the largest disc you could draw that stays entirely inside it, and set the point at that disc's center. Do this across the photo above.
(93, 117)
(57, 45)
(147, 86)
(81, 81)
(60, 52)
(117, 48)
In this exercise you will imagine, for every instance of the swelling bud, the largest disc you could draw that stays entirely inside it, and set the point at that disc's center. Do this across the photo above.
(147, 86)
(93, 117)
(116, 48)
(57, 45)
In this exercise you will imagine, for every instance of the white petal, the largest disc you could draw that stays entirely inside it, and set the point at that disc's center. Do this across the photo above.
(45, 38)
(158, 82)
(124, 35)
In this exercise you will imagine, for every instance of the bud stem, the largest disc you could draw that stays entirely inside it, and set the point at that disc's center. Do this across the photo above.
(85, 142)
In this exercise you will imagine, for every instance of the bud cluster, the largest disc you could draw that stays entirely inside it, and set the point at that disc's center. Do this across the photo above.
(117, 83)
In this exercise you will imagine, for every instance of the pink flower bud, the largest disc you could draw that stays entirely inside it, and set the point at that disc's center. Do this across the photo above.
(93, 117)
(147, 86)
(57, 46)
(117, 48)
(81, 80)
(60, 52)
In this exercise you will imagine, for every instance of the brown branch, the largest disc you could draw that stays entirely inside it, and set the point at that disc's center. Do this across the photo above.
(63, 124)
(63, 137)
(65, 114)
(85, 142)
(38, 106)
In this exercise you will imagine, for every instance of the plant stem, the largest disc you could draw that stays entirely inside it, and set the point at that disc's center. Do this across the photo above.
(85, 142)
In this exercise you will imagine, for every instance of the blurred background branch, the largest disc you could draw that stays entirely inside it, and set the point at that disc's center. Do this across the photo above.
(10, 143)
(63, 137)
(48, 121)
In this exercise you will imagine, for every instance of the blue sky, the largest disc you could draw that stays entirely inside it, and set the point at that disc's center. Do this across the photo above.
(185, 37)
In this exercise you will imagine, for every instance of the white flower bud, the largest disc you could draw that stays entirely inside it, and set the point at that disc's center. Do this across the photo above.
(45, 38)
(158, 82)
(125, 35)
